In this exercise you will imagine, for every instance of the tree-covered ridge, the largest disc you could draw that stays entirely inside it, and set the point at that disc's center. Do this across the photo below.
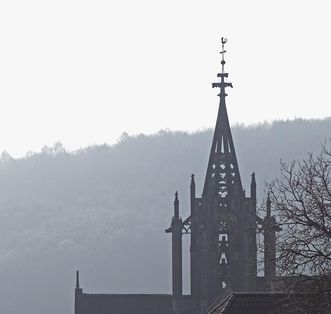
(103, 209)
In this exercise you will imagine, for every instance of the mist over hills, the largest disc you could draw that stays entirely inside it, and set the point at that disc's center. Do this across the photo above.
(103, 209)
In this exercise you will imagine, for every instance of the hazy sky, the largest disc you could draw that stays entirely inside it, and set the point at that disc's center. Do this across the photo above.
(82, 72)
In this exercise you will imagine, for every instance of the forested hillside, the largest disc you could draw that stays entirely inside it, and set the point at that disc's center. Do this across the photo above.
(103, 209)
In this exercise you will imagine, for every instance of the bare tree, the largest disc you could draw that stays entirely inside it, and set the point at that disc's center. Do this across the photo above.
(301, 200)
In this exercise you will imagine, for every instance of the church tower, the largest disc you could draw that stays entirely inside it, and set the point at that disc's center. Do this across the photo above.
(222, 224)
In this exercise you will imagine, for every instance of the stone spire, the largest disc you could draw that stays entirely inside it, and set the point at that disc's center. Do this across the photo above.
(222, 170)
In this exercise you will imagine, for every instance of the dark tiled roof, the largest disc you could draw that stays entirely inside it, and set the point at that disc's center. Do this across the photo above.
(267, 303)
(123, 304)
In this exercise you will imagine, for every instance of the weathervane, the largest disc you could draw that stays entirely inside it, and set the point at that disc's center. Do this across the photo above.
(224, 41)
(222, 85)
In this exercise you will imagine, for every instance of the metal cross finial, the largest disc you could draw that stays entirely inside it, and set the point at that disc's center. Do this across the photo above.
(222, 85)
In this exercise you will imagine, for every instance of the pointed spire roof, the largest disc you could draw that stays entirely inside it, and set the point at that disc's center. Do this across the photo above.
(222, 172)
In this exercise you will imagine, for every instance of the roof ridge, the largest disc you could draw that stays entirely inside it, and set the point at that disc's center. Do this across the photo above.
(226, 300)
(230, 302)
(259, 292)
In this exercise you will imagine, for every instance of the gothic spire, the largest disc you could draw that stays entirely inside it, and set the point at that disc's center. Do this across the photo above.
(222, 171)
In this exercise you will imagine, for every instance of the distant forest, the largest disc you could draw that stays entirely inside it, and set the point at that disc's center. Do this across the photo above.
(103, 209)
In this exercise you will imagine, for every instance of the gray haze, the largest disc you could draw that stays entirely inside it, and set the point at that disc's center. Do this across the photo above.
(103, 209)
(82, 71)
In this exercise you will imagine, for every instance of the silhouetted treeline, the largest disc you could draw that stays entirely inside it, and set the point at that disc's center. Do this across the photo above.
(103, 209)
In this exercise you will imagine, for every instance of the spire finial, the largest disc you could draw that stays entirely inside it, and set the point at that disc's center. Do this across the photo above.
(192, 189)
(77, 279)
(253, 181)
(176, 206)
(253, 187)
(222, 85)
